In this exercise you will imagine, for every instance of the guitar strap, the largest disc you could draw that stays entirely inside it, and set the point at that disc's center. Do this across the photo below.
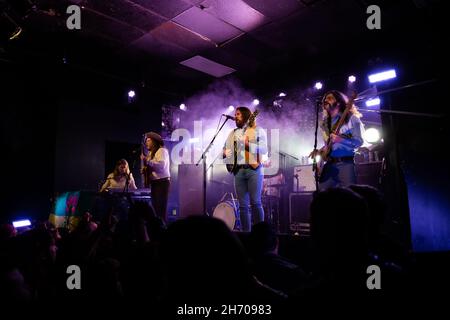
(234, 149)
(335, 125)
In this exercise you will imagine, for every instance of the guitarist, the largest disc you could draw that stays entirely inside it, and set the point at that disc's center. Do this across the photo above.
(156, 169)
(339, 169)
(244, 148)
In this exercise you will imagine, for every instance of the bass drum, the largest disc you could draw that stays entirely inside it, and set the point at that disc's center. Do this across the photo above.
(228, 212)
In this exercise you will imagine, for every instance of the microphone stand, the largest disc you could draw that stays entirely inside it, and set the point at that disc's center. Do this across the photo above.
(203, 158)
(316, 174)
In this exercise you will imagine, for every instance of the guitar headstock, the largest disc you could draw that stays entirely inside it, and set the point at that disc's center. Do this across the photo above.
(251, 119)
(352, 98)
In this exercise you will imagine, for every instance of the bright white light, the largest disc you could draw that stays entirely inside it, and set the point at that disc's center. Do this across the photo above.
(372, 135)
(131, 93)
(21, 223)
(194, 140)
(230, 108)
(318, 158)
(282, 94)
(162, 124)
(318, 85)
(255, 102)
(352, 79)
(373, 102)
(182, 106)
(381, 76)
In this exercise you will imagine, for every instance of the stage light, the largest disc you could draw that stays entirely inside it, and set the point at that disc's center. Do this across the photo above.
(183, 107)
(351, 79)
(318, 85)
(382, 76)
(255, 102)
(178, 119)
(163, 124)
(21, 223)
(373, 102)
(372, 135)
(194, 140)
(282, 94)
(318, 158)
(230, 108)
(131, 94)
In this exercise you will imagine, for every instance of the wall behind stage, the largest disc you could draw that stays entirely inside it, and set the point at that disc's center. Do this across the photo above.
(28, 118)
(83, 130)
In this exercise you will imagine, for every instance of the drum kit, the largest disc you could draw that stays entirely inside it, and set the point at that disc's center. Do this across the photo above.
(227, 210)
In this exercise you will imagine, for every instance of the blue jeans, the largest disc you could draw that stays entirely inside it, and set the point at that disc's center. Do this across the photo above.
(248, 184)
(340, 174)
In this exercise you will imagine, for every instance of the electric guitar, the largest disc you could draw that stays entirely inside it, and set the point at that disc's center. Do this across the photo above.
(233, 168)
(145, 171)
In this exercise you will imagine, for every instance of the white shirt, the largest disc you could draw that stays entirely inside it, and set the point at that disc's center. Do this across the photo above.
(159, 166)
(257, 143)
(118, 184)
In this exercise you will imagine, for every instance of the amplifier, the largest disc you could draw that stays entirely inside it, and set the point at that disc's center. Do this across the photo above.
(369, 173)
(299, 215)
(304, 180)
(190, 186)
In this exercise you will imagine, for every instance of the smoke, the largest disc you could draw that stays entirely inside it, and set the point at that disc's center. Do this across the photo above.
(289, 121)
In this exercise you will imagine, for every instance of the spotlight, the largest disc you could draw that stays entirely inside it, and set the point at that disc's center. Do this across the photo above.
(277, 103)
(351, 79)
(373, 102)
(21, 223)
(255, 102)
(382, 76)
(230, 108)
(318, 85)
(282, 94)
(162, 124)
(183, 107)
(372, 135)
(131, 94)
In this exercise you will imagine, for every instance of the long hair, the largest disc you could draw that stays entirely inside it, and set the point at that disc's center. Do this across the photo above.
(116, 172)
(246, 113)
(155, 147)
(342, 101)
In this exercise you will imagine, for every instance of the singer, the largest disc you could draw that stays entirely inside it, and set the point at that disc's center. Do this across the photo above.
(120, 179)
(246, 144)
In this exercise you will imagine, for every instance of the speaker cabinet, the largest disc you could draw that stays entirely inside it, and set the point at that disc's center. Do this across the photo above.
(299, 216)
(304, 180)
(190, 190)
(369, 173)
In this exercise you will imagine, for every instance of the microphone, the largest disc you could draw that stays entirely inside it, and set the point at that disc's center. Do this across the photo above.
(229, 117)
